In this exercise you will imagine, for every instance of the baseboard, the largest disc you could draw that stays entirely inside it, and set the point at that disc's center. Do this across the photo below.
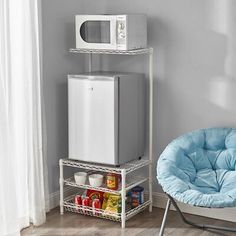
(228, 214)
(159, 200)
(54, 198)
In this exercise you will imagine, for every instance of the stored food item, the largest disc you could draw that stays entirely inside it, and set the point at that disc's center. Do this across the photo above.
(112, 181)
(137, 196)
(96, 205)
(95, 180)
(119, 179)
(128, 198)
(93, 194)
(113, 204)
(78, 200)
(80, 177)
(105, 200)
(85, 203)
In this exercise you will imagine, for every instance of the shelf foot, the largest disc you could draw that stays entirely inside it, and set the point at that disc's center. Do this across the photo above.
(61, 210)
(150, 207)
(123, 224)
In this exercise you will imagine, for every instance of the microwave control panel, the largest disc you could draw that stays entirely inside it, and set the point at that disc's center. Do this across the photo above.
(121, 32)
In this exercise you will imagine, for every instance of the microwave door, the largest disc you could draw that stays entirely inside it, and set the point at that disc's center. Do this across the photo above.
(98, 32)
(93, 119)
(95, 32)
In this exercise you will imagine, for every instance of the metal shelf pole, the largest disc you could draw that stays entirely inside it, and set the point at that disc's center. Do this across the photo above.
(61, 182)
(150, 124)
(123, 196)
(90, 62)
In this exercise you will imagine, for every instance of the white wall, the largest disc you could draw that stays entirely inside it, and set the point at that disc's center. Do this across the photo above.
(194, 68)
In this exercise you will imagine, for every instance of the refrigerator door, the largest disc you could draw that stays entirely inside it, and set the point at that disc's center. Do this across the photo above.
(93, 119)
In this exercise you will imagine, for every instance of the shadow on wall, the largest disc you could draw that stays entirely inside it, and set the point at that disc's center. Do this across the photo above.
(222, 87)
(201, 83)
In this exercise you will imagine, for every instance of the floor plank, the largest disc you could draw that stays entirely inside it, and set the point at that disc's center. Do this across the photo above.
(144, 224)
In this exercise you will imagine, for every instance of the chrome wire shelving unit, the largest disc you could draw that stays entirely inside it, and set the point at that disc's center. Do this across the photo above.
(124, 170)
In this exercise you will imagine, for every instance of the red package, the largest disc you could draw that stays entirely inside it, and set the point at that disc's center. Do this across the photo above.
(96, 205)
(78, 200)
(94, 194)
(85, 203)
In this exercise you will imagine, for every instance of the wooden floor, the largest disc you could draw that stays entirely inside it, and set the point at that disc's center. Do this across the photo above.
(144, 224)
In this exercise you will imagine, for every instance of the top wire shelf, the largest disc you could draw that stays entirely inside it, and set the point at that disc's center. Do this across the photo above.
(119, 52)
(129, 166)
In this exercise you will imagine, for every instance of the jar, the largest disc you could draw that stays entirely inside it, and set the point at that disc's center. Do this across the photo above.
(112, 181)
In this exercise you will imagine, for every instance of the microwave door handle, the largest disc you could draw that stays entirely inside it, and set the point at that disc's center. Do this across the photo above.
(113, 33)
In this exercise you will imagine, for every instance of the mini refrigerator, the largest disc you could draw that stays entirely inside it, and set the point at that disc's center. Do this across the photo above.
(106, 117)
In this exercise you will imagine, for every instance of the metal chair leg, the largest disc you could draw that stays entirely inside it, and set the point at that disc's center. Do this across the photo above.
(200, 226)
(163, 224)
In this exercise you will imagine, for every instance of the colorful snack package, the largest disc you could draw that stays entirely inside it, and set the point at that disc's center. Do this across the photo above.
(105, 200)
(113, 204)
(94, 194)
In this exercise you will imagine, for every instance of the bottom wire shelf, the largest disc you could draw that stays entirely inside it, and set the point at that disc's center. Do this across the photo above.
(69, 205)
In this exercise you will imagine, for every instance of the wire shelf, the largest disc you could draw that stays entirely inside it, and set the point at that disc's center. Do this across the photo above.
(69, 205)
(129, 166)
(132, 183)
(117, 52)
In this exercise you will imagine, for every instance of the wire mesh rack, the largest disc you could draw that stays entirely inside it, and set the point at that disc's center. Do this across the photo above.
(129, 166)
(117, 52)
(129, 185)
(70, 206)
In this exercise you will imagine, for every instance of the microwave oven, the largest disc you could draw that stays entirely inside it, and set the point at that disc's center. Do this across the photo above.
(112, 32)
(106, 114)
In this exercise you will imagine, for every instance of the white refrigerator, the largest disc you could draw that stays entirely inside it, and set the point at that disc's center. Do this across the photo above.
(106, 117)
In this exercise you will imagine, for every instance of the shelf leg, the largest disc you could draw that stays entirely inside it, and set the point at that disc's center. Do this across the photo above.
(150, 125)
(90, 62)
(61, 182)
(123, 197)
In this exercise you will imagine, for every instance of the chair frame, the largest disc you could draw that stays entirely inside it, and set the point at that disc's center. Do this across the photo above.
(199, 226)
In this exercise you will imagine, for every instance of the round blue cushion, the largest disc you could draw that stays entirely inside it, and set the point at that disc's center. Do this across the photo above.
(199, 168)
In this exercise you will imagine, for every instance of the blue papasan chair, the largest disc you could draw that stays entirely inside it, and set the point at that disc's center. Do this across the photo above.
(199, 169)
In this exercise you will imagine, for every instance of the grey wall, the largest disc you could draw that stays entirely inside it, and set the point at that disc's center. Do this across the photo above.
(194, 66)
(58, 37)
